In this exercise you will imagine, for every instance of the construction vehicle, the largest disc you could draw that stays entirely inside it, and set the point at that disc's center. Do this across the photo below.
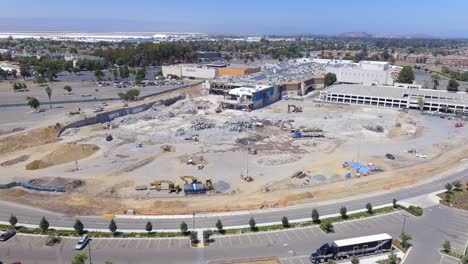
(208, 183)
(458, 124)
(246, 178)
(294, 109)
(299, 134)
(172, 187)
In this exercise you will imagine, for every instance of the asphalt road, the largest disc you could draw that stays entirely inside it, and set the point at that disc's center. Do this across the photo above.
(28, 215)
(291, 246)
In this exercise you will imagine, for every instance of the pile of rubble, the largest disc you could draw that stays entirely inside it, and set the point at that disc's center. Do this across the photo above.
(202, 124)
(277, 160)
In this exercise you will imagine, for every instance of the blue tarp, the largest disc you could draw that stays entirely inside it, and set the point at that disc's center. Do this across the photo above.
(359, 167)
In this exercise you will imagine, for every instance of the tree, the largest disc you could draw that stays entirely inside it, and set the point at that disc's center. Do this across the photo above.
(406, 75)
(343, 212)
(48, 91)
(39, 80)
(252, 224)
(33, 102)
(405, 240)
(206, 235)
(79, 227)
(24, 71)
(183, 228)
(447, 246)
(457, 185)
(14, 72)
(369, 208)
(115, 73)
(464, 259)
(124, 72)
(395, 203)
(112, 226)
(435, 80)
(452, 85)
(149, 227)
(421, 103)
(80, 258)
(194, 236)
(219, 226)
(315, 216)
(449, 187)
(98, 74)
(285, 222)
(130, 95)
(392, 258)
(354, 260)
(330, 78)
(67, 88)
(44, 224)
(13, 220)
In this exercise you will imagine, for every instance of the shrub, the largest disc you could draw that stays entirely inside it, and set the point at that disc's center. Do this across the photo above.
(253, 224)
(79, 227)
(415, 210)
(447, 246)
(395, 204)
(44, 224)
(194, 236)
(206, 235)
(13, 220)
(327, 227)
(343, 212)
(112, 226)
(285, 222)
(369, 208)
(149, 227)
(219, 226)
(52, 240)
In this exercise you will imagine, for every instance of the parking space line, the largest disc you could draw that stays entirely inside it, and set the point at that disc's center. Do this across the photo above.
(179, 242)
(118, 242)
(170, 243)
(139, 241)
(250, 240)
(269, 238)
(149, 242)
(230, 241)
(159, 242)
(303, 232)
(300, 259)
(286, 234)
(294, 234)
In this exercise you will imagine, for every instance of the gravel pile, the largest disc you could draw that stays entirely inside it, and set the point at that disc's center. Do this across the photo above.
(277, 160)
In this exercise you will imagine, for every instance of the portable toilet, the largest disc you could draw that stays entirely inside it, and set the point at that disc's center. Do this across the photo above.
(348, 175)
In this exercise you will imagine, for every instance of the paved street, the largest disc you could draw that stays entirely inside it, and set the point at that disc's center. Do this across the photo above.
(291, 246)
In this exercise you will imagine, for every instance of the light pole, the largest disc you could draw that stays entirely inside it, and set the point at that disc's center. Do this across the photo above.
(89, 251)
(193, 221)
(404, 222)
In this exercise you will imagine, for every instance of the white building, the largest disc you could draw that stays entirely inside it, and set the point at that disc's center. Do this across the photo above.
(190, 71)
(365, 72)
(395, 97)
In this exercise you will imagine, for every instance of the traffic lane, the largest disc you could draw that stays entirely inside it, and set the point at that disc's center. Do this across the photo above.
(457, 230)
(27, 215)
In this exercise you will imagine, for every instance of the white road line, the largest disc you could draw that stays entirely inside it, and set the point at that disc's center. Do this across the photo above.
(159, 242)
(269, 238)
(251, 243)
(149, 242)
(169, 244)
(230, 241)
(118, 242)
(303, 232)
(286, 234)
(179, 243)
(139, 241)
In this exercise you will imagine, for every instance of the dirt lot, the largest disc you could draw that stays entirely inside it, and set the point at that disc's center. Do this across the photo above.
(192, 129)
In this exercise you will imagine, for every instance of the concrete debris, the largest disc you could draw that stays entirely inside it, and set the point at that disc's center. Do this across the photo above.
(179, 132)
(299, 175)
(277, 160)
(376, 128)
(202, 124)
(239, 125)
(69, 132)
(168, 148)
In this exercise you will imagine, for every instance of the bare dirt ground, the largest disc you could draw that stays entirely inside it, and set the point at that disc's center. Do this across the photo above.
(191, 129)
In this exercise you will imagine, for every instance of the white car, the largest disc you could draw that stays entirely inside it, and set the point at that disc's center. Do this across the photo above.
(419, 155)
(82, 242)
(98, 109)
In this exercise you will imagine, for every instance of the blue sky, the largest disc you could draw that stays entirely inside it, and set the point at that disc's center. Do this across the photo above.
(434, 17)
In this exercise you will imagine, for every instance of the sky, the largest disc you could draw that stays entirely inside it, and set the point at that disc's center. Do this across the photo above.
(447, 18)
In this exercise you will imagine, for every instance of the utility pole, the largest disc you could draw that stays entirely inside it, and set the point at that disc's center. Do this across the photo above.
(404, 222)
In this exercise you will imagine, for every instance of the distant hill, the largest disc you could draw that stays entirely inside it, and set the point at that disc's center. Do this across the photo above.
(368, 35)
(354, 35)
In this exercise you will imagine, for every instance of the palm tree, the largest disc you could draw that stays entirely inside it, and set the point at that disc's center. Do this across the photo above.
(48, 91)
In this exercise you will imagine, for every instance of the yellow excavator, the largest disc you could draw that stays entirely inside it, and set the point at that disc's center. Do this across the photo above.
(208, 182)
(172, 187)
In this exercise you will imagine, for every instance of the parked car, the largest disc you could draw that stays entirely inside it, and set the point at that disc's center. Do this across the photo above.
(82, 242)
(98, 109)
(7, 235)
(419, 155)
(389, 156)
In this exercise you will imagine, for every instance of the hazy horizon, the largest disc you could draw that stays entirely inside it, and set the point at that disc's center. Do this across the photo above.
(332, 17)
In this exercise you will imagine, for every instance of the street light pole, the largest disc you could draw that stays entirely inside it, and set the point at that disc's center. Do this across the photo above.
(193, 221)
(404, 222)
(89, 251)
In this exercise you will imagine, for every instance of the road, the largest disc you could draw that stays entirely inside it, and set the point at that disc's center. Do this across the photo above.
(28, 215)
(292, 246)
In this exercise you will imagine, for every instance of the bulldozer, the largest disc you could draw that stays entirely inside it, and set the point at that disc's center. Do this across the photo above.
(246, 178)
(172, 187)
(294, 109)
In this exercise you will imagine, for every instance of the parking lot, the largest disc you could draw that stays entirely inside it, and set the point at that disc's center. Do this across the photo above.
(29, 241)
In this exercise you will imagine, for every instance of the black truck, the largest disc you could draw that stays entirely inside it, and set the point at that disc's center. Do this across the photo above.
(358, 246)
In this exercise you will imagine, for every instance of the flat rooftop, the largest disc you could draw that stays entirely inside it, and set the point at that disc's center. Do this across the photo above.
(397, 93)
(248, 90)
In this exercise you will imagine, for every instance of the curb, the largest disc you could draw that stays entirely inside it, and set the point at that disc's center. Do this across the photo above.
(406, 255)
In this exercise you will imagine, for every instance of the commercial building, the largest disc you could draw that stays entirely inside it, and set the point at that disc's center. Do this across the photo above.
(450, 60)
(189, 71)
(303, 87)
(243, 96)
(365, 72)
(203, 56)
(339, 53)
(9, 66)
(403, 96)
(238, 70)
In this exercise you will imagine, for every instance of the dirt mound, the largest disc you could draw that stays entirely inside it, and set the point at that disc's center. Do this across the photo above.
(28, 140)
(14, 161)
(63, 154)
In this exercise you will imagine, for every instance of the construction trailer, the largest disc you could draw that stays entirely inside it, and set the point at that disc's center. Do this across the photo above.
(194, 188)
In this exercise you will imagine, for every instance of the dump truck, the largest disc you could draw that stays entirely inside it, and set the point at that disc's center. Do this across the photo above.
(294, 109)
(299, 134)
